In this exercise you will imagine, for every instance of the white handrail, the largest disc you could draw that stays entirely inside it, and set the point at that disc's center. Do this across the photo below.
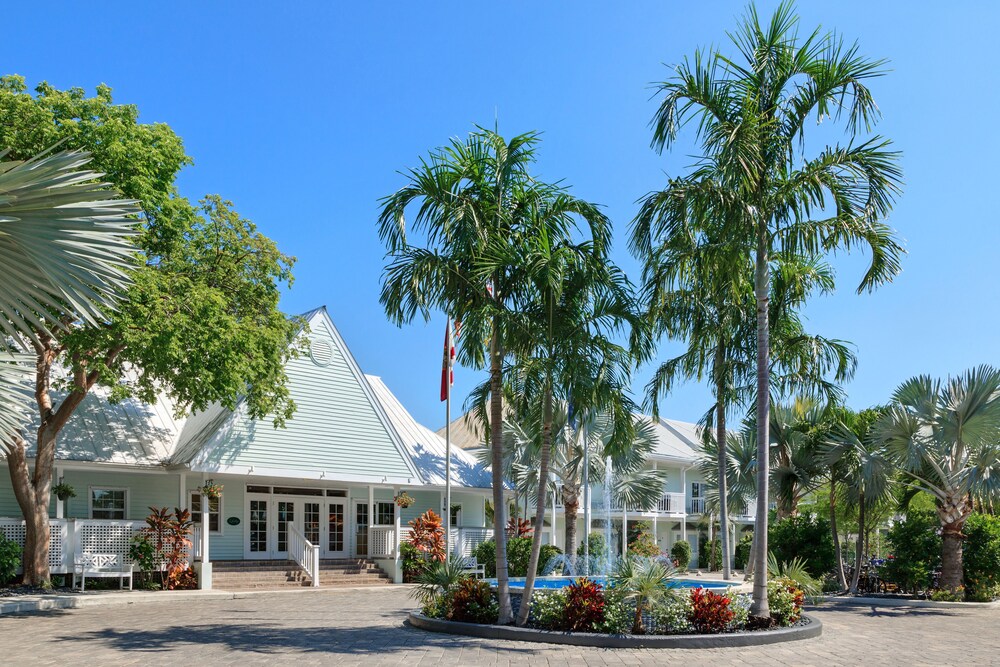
(305, 553)
(382, 541)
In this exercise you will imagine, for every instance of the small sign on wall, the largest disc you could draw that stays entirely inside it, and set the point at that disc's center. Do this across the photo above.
(233, 521)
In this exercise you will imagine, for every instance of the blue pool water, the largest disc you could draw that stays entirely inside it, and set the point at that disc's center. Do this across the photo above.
(563, 582)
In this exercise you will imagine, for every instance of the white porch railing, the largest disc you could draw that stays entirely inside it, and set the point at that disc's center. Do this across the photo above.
(71, 539)
(382, 541)
(464, 540)
(670, 503)
(304, 552)
(697, 506)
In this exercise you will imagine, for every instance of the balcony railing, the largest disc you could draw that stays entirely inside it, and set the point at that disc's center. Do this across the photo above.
(697, 506)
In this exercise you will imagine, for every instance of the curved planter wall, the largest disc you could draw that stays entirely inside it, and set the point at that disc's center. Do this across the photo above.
(813, 628)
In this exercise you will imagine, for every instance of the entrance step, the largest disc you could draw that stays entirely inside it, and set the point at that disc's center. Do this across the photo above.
(259, 574)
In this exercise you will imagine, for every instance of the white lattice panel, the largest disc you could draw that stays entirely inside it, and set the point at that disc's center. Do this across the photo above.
(14, 530)
(106, 537)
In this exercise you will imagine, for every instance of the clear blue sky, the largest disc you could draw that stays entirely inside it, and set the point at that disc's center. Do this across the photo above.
(302, 114)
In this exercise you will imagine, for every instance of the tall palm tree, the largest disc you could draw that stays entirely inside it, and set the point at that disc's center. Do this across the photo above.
(65, 245)
(580, 302)
(476, 202)
(797, 430)
(946, 438)
(751, 113)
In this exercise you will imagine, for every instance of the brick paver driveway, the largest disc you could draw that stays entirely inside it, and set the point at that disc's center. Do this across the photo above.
(366, 627)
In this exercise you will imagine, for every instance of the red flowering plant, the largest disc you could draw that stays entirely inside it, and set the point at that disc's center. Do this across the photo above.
(519, 527)
(427, 536)
(584, 605)
(710, 612)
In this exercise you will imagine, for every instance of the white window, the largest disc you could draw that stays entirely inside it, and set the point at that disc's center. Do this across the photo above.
(108, 503)
(385, 513)
(214, 512)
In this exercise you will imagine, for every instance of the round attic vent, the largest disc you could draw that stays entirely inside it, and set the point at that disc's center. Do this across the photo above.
(321, 351)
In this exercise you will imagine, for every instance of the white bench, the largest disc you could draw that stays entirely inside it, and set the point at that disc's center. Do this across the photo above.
(101, 565)
(472, 566)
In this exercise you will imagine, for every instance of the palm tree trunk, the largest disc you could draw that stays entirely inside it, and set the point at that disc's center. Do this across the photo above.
(720, 439)
(536, 538)
(571, 507)
(496, 446)
(748, 573)
(838, 552)
(762, 282)
(953, 514)
(859, 544)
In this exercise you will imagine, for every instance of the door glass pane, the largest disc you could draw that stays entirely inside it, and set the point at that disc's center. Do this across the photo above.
(286, 515)
(310, 522)
(336, 519)
(361, 532)
(258, 525)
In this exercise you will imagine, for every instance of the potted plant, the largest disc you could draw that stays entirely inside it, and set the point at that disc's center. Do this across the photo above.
(404, 500)
(210, 489)
(64, 491)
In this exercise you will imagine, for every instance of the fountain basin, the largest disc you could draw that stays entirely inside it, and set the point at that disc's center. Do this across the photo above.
(558, 582)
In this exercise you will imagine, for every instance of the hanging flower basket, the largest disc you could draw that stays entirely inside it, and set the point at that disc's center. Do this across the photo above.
(64, 491)
(211, 489)
(404, 500)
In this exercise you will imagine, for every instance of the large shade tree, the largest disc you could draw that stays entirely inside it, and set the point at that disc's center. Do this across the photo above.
(750, 113)
(946, 438)
(199, 320)
(474, 204)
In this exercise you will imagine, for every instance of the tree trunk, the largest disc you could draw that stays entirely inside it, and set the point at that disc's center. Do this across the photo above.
(496, 450)
(571, 507)
(762, 281)
(33, 502)
(952, 513)
(536, 538)
(859, 545)
(720, 439)
(838, 552)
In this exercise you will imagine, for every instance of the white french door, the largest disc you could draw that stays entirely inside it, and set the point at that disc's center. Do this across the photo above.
(322, 521)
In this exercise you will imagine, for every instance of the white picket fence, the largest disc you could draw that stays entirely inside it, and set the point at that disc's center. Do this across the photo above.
(70, 539)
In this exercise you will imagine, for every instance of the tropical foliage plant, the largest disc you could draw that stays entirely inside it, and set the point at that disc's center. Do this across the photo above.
(427, 536)
(710, 612)
(584, 605)
(646, 583)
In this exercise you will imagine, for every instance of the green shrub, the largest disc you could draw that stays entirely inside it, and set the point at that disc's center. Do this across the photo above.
(414, 564)
(518, 554)
(10, 559)
(741, 554)
(681, 553)
(709, 554)
(916, 551)
(672, 616)
(597, 545)
(805, 537)
(981, 557)
(619, 612)
(944, 595)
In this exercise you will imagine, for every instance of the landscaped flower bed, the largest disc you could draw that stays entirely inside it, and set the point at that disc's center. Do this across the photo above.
(626, 606)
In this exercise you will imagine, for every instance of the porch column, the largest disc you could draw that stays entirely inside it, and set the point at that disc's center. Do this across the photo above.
(60, 513)
(371, 517)
(397, 523)
(655, 540)
(181, 484)
(553, 531)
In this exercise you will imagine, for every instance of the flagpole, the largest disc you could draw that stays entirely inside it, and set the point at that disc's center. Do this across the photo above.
(447, 447)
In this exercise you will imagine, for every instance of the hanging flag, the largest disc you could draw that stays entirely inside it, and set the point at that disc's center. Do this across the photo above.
(448, 360)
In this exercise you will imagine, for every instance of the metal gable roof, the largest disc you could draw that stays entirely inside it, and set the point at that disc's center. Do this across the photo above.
(426, 448)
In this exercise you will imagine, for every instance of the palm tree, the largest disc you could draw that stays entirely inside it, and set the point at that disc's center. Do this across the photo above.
(868, 472)
(476, 203)
(946, 438)
(751, 114)
(580, 301)
(64, 236)
(645, 580)
(65, 245)
(797, 429)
